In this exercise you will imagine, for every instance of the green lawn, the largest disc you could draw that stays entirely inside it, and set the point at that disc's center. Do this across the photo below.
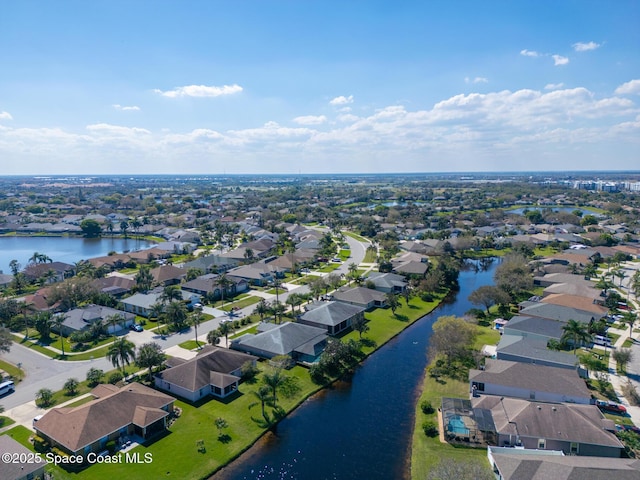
(16, 373)
(356, 236)
(370, 256)
(6, 421)
(191, 345)
(244, 302)
(329, 267)
(176, 455)
(344, 254)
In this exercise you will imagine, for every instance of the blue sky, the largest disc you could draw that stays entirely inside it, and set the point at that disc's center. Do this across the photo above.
(318, 86)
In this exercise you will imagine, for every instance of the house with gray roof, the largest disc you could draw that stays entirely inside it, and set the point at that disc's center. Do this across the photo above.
(529, 381)
(257, 273)
(537, 328)
(214, 371)
(573, 428)
(141, 303)
(21, 469)
(81, 319)
(302, 343)
(388, 282)
(5, 280)
(516, 348)
(334, 317)
(557, 312)
(367, 298)
(212, 263)
(517, 464)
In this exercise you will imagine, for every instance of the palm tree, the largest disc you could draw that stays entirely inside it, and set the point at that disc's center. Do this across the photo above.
(274, 379)
(353, 271)
(225, 329)
(121, 352)
(262, 308)
(278, 310)
(124, 226)
(176, 314)
(224, 283)
(263, 394)
(143, 278)
(58, 320)
(213, 337)
(630, 319)
(170, 293)
(576, 331)
(150, 355)
(393, 302)
(156, 310)
(112, 321)
(196, 319)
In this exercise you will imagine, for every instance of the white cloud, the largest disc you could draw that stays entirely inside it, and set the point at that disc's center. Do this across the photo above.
(629, 88)
(476, 80)
(529, 53)
(342, 100)
(132, 108)
(585, 47)
(5, 116)
(559, 60)
(310, 120)
(553, 86)
(108, 129)
(200, 91)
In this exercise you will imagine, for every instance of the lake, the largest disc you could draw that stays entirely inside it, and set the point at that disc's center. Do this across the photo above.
(62, 249)
(544, 210)
(361, 427)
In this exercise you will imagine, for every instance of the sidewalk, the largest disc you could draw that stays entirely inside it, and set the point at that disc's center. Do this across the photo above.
(617, 381)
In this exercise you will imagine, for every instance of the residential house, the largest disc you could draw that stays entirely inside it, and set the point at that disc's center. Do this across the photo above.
(21, 468)
(5, 280)
(52, 271)
(334, 317)
(542, 329)
(259, 273)
(208, 285)
(166, 275)
(114, 285)
(214, 371)
(141, 303)
(301, 342)
(520, 464)
(81, 319)
(557, 312)
(529, 381)
(113, 414)
(212, 263)
(517, 348)
(366, 298)
(586, 304)
(388, 282)
(573, 428)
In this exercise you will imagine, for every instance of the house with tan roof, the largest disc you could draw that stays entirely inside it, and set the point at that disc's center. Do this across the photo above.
(114, 413)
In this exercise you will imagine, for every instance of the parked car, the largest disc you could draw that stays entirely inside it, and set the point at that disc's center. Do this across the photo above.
(611, 407)
(7, 387)
(631, 428)
(136, 327)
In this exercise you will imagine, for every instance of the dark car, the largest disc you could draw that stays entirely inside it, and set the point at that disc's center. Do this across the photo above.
(631, 428)
(136, 327)
(611, 407)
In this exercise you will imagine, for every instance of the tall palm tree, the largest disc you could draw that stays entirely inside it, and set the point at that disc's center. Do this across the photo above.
(263, 395)
(112, 321)
(224, 283)
(576, 331)
(196, 319)
(58, 320)
(176, 314)
(121, 352)
(171, 293)
(630, 319)
(274, 379)
(262, 309)
(143, 278)
(225, 329)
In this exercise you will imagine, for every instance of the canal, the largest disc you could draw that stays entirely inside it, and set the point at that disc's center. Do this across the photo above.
(361, 427)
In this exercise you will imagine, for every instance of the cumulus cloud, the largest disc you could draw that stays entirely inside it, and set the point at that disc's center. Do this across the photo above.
(310, 120)
(585, 47)
(629, 88)
(341, 100)
(559, 60)
(108, 129)
(476, 80)
(5, 116)
(529, 53)
(132, 108)
(200, 91)
(553, 86)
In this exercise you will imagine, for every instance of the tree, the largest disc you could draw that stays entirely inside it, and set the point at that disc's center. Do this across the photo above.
(622, 356)
(94, 376)
(316, 287)
(150, 355)
(220, 424)
(488, 295)
(121, 352)
(452, 337)
(114, 320)
(225, 329)
(359, 324)
(71, 386)
(513, 276)
(263, 395)
(278, 309)
(42, 322)
(577, 332)
(393, 301)
(5, 340)
(176, 314)
(262, 309)
(124, 227)
(213, 337)
(144, 279)
(171, 293)
(274, 379)
(58, 320)
(196, 320)
(294, 299)
(630, 319)
(90, 228)
(193, 273)
(333, 280)
(353, 271)
(44, 396)
(224, 283)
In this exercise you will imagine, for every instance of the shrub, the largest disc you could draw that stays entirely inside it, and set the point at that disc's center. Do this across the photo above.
(115, 377)
(430, 428)
(111, 446)
(426, 297)
(426, 407)
(94, 376)
(40, 444)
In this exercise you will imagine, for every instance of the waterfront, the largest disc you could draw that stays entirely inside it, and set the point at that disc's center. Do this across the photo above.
(361, 427)
(62, 249)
